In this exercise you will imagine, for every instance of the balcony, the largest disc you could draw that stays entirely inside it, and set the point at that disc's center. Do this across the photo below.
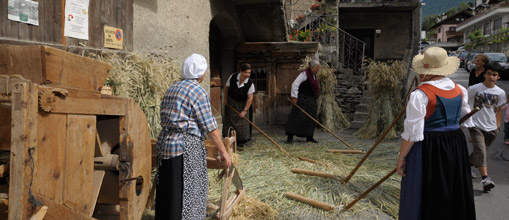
(453, 34)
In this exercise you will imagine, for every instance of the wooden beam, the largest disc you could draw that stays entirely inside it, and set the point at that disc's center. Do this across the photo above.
(90, 106)
(39, 215)
(23, 139)
(346, 151)
(58, 211)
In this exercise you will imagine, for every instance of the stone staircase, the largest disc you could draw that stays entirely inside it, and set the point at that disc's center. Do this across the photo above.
(361, 112)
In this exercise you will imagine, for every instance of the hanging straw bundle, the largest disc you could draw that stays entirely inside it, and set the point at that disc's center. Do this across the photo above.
(385, 80)
(143, 78)
(329, 112)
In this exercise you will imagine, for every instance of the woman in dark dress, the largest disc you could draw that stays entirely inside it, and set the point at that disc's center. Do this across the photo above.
(433, 159)
(305, 92)
(477, 73)
(238, 93)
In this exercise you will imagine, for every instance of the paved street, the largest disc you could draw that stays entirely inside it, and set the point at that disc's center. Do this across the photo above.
(495, 204)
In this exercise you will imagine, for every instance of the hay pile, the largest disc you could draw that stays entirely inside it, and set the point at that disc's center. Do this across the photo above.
(329, 113)
(143, 78)
(265, 172)
(385, 81)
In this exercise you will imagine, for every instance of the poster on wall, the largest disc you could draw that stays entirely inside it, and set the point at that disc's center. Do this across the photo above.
(23, 11)
(76, 19)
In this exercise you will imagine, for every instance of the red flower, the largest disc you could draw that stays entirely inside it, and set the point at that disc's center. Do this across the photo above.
(426, 65)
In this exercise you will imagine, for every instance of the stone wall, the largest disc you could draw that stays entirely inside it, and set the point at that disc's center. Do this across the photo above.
(348, 91)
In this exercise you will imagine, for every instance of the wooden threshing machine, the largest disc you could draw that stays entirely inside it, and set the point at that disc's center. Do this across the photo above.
(66, 150)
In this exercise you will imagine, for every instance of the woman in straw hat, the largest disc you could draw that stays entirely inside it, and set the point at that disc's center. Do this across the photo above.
(433, 159)
(186, 115)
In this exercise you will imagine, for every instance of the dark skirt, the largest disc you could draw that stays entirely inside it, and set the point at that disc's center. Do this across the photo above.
(182, 183)
(299, 123)
(444, 186)
(232, 119)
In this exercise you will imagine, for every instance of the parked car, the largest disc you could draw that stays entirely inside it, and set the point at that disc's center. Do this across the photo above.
(498, 57)
(462, 57)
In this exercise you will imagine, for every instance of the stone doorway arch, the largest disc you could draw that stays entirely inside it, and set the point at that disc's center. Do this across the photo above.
(223, 36)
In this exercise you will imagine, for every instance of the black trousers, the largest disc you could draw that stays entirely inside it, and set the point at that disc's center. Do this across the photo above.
(169, 189)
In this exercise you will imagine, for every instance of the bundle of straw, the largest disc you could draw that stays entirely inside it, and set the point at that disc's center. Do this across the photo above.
(385, 81)
(329, 112)
(143, 78)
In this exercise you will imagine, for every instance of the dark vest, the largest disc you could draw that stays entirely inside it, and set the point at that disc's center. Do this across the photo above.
(305, 88)
(239, 94)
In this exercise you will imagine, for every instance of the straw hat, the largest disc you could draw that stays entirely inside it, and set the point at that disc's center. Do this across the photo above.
(435, 62)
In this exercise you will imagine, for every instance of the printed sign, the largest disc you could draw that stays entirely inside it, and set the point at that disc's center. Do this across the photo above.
(76, 19)
(23, 11)
(113, 37)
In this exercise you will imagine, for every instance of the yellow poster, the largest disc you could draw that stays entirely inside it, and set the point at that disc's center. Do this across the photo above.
(113, 37)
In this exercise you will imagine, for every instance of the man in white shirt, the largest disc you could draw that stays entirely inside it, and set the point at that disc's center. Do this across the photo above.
(490, 99)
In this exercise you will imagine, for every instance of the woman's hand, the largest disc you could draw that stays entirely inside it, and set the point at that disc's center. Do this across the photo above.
(400, 167)
(294, 101)
(243, 113)
(227, 161)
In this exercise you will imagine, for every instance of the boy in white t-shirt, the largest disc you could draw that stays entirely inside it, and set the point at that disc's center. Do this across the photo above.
(486, 123)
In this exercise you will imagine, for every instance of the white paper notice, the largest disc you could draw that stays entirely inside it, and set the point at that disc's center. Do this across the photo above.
(76, 19)
(23, 11)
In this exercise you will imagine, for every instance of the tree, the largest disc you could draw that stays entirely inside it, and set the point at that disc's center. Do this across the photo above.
(428, 22)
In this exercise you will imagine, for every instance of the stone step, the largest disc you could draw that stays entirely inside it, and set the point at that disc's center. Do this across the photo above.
(362, 107)
(356, 124)
(366, 99)
(360, 116)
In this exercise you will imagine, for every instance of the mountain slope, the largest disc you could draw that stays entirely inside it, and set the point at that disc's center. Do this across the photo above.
(434, 7)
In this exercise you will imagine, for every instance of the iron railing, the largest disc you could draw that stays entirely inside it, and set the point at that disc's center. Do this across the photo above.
(320, 28)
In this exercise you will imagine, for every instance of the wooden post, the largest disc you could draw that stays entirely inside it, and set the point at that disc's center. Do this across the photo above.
(23, 138)
(260, 130)
(309, 201)
(323, 126)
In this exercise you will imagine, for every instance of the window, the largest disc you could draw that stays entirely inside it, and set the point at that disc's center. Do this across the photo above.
(452, 28)
(259, 78)
(486, 29)
(497, 24)
(439, 30)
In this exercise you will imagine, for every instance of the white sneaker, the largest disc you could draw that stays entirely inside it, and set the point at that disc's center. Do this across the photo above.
(487, 184)
(473, 173)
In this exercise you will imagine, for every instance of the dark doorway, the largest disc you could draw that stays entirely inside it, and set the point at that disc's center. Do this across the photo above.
(215, 54)
(368, 36)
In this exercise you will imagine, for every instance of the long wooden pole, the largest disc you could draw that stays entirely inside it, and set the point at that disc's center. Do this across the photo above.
(381, 137)
(312, 173)
(260, 130)
(323, 126)
(309, 201)
(370, 189)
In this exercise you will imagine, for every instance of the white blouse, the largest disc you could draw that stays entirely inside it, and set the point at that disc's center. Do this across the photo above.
(251, 89)
(295, 85)
(416, 109)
